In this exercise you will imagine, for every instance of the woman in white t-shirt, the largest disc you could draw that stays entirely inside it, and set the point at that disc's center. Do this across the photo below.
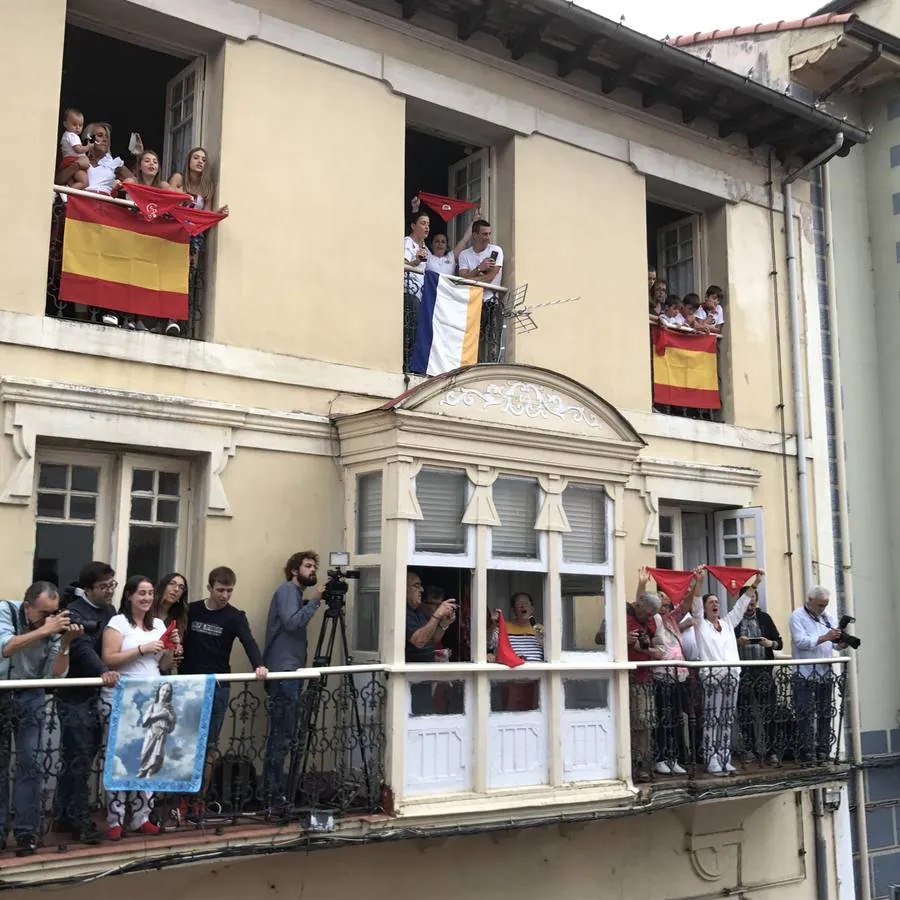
(445, 261)
(132, 646)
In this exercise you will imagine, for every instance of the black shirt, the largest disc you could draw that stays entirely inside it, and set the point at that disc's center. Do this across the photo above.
(85, 653)
(415, 619)
(210, 636)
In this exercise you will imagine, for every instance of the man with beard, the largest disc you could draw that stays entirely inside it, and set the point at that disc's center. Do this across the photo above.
(285, 651)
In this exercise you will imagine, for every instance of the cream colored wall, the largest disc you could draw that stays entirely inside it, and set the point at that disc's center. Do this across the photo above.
(31, 44)
(624, 859)
(312, 170)
(581, 232)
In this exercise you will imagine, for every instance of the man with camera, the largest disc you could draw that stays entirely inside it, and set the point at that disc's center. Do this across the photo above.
(814, 635)
(423, 629)
(35, 640)
(285, 651)
(82, 713)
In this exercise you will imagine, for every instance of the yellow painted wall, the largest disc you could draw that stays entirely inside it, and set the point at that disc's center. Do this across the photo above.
(31, 43)
(312, 170)
(580, 231)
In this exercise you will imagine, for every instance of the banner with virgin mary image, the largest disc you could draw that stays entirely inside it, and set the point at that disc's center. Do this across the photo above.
(158, 729)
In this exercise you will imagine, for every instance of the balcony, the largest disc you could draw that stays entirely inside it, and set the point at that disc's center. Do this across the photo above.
(60, 307)
(551, 742)
(492, 341)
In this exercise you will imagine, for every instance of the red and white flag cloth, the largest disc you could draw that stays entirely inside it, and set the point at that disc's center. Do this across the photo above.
(154, 202)
(446, 207)
(732, 577)
(196, 221)
(675, 583)
(505, 653)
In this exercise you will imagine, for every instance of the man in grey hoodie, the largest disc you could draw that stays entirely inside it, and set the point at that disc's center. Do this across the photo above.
(285, 651)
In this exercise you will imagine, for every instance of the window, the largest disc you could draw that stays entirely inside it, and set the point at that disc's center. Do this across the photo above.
(154, 521)
(469, 181)
(586, 693)
(588, 541)
(584, 612)
(184, 103)
(668, 550)
(442, 498)
(368, 513)
(516, 501)
(365, 609)
(678, 255)
(739, 542)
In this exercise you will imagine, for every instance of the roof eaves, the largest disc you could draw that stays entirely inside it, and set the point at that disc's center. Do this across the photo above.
(761, 28)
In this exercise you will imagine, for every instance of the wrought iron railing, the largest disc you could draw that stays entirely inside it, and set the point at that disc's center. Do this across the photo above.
(329, 760)
(58, 308)
(494, 323)
(698, 719)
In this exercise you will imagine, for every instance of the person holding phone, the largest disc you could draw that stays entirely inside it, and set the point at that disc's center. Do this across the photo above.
(423, 628)
(483, 261)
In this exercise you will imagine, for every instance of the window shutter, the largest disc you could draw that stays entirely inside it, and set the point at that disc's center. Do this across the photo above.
(586, 511)
(442, 499)
(368, 513)
(516, 503)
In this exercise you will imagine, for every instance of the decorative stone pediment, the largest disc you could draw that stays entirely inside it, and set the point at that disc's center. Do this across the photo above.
(520, 396)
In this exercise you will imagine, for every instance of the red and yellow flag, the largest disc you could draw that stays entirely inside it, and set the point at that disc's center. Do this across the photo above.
(115, 259)
(685, 370)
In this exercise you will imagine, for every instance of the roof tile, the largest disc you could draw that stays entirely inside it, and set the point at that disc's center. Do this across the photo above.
(721, 34)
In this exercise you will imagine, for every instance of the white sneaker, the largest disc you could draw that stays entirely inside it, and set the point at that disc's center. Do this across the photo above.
(677, 769)
(107, 319)
(715, 769)
(662, 768)
(729, 768)
(173, 328)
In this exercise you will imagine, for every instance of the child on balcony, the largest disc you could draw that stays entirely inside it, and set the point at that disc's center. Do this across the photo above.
(694, 314)
(712, 302)
(671, 316)
(71, 149)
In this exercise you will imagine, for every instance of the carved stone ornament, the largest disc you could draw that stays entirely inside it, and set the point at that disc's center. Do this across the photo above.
(552, 515)
(481, 509)
(525, 400)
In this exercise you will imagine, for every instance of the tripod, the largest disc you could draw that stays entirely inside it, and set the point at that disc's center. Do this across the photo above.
(333, 627)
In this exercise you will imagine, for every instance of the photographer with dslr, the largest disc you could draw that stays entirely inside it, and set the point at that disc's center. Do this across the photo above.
(285, 651)
(422, 630)
(814, 635)
(34, 643)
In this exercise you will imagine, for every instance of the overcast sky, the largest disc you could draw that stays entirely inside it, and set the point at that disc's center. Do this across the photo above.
(665, 17)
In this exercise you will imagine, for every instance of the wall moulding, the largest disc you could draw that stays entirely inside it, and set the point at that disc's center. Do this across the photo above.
(34, 410)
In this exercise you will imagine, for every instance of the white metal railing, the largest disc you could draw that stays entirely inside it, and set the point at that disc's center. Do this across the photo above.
(496, 288)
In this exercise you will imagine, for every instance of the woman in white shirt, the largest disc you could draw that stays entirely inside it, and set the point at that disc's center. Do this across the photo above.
(716, 643)
(442, 260)
(132, 646)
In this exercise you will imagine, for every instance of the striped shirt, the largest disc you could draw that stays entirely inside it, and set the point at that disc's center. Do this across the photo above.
(524, 641)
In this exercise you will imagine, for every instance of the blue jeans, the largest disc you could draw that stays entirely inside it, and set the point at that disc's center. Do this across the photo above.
(21, 718)
(82, 725)
(284, 706)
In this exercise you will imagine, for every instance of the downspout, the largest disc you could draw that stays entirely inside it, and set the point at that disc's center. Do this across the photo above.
(862, 839)
(819, 848)
(797, 356)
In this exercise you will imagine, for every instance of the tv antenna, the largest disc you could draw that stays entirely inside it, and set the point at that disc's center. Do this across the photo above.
(521, 315)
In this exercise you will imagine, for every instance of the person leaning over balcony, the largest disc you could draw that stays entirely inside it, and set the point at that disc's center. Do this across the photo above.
(35, 641)
(82, 713)
(671, 315)
(712, 304)
(758, 639)
(694, 314)
(659, 290)
(133, 647)
(285, 651)
(716, 642)
(422, 629)
(640, 625)
(814, 635)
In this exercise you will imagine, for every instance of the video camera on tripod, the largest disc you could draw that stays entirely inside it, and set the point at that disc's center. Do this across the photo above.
(339, 571)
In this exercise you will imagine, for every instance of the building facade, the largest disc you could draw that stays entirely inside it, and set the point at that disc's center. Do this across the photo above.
(281, 417)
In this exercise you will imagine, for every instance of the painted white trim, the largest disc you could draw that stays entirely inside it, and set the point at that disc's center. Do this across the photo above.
(46, 333)
(42, 409)
(702, 472)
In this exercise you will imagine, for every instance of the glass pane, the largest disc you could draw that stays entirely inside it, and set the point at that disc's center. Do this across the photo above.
(666, 523)
(151, 551)
(52, 476)
(670, 238)
(731, 547)
(82, 507)
(60, 550)
(442, 499)
(516, 503)
(515, 696)
(170, 484)
(665, 562)
(437, 698)
(748, 527)
(166, 510)
(665, 543)
(368, 513)
(365, 609)
(584, 612)
(141, 511)
(686, 233)
(142, 480)
(730, 526)
(189, 83)
(177, 88)
(586, 693)
(586, 511)
(51, 506)
(85, 478)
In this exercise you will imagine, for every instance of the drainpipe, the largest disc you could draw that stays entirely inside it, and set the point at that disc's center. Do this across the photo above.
(862, 839)
(800, 429)
(797, 356)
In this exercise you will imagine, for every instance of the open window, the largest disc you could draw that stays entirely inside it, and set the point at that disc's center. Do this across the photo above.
(184, 115)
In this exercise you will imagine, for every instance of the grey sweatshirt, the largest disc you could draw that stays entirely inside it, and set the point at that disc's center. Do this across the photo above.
(289, 615)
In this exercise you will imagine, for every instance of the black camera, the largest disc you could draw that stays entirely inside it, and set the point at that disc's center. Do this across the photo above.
(643, 640)
(336, 587)
(851, 640)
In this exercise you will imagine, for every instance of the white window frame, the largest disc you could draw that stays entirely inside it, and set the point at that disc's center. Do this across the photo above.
(122, 525)
(197, 68)
(695, 221)
(104, 519)
(362, 560)
(518, 564)
(754, 513)
(443, 560)
(591, 568)
(677, 535)
(456, 226)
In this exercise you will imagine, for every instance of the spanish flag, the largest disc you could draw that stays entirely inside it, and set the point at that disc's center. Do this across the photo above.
(685, 370)
(115, 259)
